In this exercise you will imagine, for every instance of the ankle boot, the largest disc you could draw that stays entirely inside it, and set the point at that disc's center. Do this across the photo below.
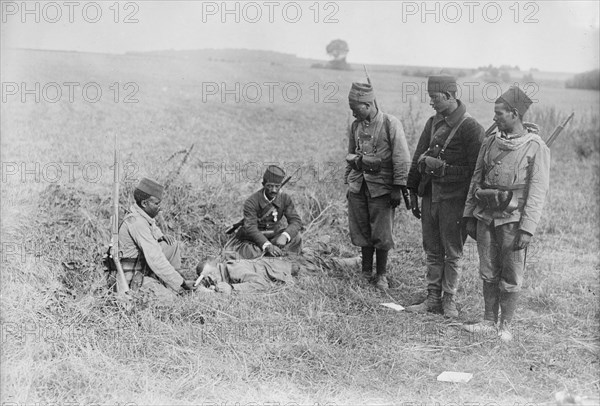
(449, 305)
(432, 304)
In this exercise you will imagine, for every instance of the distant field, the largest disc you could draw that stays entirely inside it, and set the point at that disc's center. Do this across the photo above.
(325, 339)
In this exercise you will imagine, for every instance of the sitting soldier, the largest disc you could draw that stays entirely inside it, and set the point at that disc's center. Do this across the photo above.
(262, 230)
(151, 260)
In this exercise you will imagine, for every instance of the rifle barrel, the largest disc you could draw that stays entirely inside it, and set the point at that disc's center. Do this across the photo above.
(490, 130)
(122, 286)
(369, 82)
(558, 130)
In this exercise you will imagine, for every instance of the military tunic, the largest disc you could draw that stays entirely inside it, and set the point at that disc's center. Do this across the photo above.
(524, 170)
(444, 197)
(370, 213)
(261, 219)
(138, 238)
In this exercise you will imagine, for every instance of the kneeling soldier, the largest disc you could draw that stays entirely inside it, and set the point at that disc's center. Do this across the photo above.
(262, 230)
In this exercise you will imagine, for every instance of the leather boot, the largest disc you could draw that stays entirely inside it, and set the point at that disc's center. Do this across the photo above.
(432, 304)
(381, 264)
(367, 261)
(508, 305)
(449, 305)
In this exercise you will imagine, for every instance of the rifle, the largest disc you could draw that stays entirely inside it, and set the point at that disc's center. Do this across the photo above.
(552, 136)
(113, 248)
(490, 130)
(558, 130)
(240, 223)
(405, 195)
(369, 82)
(508, 198)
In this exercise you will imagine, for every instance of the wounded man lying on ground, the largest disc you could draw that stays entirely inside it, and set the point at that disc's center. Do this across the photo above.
(251, 275)
(245, 275)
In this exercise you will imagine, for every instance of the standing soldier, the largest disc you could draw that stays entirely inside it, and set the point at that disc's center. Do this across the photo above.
(376, 172)
(504, 206)
(440, 173)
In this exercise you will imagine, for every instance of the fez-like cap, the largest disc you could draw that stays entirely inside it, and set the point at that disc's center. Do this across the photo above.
(441, 84)
(361, 92)
(151, 187)
(516, 99)
(273, 174)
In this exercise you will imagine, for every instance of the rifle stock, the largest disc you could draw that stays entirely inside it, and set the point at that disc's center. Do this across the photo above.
(122, 286)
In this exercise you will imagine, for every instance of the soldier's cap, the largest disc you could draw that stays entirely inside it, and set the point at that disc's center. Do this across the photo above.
(441, 84)
(361, 92)
(273, 174)
(151, 187)
(516, 99)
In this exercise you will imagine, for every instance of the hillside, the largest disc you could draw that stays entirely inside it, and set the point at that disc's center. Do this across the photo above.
(324, 339)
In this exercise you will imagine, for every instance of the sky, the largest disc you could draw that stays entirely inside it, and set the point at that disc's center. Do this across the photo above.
(559, 36)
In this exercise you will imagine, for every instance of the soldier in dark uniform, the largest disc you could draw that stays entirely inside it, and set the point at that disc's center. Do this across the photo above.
(263, 231)
(440, 173)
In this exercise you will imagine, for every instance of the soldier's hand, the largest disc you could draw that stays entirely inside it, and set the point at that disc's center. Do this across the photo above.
(280, 241)
(396, 196)
(188, 285)
(414, 205)
(273, 250)
(224, 287)
(522, 240)
(168, 239)
(470, 225)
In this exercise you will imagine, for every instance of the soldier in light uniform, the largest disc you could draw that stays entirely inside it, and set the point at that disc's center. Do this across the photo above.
(146, 250)
(376, 172)
(504, 206)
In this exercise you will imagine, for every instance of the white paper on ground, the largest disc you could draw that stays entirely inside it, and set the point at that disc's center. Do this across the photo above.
(393, 306)
(451, 376)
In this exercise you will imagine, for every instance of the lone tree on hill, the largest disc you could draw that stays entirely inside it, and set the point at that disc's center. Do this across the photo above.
(338, 49)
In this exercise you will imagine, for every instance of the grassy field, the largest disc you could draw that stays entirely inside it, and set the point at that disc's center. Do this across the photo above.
(325, 339)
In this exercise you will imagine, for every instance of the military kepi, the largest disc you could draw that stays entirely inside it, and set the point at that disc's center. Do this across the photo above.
(516, 99)
(151, 187)
(361, 92)
(441, 84)
(273, 174)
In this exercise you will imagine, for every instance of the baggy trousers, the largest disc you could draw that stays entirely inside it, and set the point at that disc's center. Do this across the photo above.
(371, 219)
(151, 286)
(443, 242)
(499, 263)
